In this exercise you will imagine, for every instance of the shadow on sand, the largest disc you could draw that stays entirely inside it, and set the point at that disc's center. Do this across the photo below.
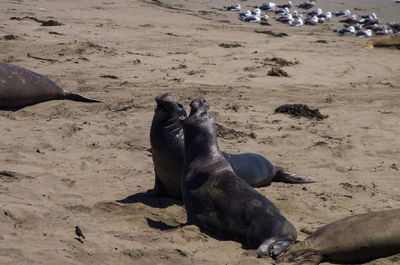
(150, 199)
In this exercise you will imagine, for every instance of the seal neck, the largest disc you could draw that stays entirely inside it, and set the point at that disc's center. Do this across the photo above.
(173, 124)
(200, 142)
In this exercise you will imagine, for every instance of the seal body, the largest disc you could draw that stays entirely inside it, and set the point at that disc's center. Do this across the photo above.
(20, 87)
(167, 143)
(167, 146)
(220, 202)
(355, 239)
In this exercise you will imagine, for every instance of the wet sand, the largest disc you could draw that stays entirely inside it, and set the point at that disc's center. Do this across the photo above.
(67, 164)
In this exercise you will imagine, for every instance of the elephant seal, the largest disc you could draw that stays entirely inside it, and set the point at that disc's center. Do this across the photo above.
(220, 202)
(167, 144)
(20, 87)
(355, 239)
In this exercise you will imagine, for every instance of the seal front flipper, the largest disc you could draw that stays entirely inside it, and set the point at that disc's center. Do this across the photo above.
(273, 248)
(75, 97)
(284, 176)
(302, 257)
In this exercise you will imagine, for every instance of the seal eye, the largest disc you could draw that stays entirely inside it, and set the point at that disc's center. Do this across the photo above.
(179, 104)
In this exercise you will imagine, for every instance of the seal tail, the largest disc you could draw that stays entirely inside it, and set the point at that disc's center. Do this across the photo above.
(283, 176)
(76, 97)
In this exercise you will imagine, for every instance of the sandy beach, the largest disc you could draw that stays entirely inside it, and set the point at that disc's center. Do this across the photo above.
(65, 164)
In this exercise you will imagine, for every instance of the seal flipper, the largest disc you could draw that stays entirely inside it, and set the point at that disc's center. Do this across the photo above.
(302, 257)
(273, 248)
(75, 97)
(284, 176)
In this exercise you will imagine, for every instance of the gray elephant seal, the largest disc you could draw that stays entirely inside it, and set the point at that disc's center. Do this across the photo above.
(355, 239)
(220, 202)
(20, 87)
(167, 144)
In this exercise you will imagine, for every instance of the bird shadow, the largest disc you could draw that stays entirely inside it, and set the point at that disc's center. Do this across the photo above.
(78, 239)
(150, 199)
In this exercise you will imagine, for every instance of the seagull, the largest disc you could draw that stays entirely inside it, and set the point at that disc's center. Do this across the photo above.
(252, 19)
(307, 5)
(265, 17)
(364, 33)
(256, 12)
(327, 15)
(245, 14)
(384, 32)
(370, 16)
(370, 21)
(288, 5)
(233, 8)
(285, 18)
(394, 25)
(282, 11)
(347, 31)
(298, 22)
(315, 12)
(345, 13)
(376, 27)
(351, 20)
(267, 6)
(311, 21)
(356, 26)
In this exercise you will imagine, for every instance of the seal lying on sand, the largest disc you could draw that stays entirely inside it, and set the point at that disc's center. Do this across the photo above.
(355, 239)
(20, 87)
(220, 202)
(167, 144)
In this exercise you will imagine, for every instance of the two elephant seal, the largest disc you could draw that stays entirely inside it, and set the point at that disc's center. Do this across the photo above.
(20, 87)
(355, 239)
(167, 144)
(220, 202)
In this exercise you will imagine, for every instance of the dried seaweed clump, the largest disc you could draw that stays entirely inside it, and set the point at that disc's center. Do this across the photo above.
(300, 110)
(277, 71)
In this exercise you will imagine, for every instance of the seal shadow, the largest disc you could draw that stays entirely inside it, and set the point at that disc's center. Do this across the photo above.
(13, 109)
(160, 225)
(148, 198)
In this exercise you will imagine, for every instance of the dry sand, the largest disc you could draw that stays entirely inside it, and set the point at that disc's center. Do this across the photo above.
(73, 161)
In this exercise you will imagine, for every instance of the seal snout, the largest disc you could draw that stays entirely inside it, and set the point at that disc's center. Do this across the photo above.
(163, 101)
(198, 104)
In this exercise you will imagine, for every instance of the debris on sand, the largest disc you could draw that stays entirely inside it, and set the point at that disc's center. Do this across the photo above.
(46, 23)
(272, 34)
(230, 45)
(276, 61)
(277, 71)
(300, 110)
(9, 37)
(109, 76)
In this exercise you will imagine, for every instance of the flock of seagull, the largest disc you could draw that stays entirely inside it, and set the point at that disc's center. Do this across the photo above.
(362, 26)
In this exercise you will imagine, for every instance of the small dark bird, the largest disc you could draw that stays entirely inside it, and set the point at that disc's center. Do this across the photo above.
(78, 232)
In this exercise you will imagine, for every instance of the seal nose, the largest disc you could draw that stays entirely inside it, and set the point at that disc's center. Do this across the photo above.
(162, 97)
(199, 103)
